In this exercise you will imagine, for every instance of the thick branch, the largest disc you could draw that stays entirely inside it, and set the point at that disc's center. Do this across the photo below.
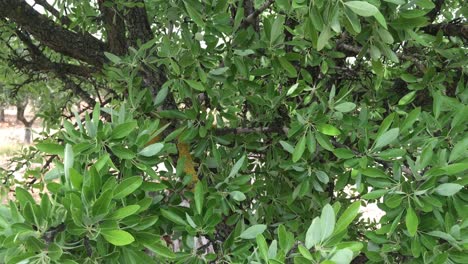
(115, 28)
(76, 45)
(454, 28)
(137, 24)
(41, 63)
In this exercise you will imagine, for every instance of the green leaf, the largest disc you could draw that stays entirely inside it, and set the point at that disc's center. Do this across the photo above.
(253, 231)
(455, 168)
(322, 176)
(412, 221)
(23, 196)
(299, 149)
(292, 72)
(123, 153)
(123, 130)
(310, 142)
(262, 246)
(448, 189)
(410, 119)
(327, 129)
(113, 58)
(68, 161)
(442, 235)
(286, 146)
(345, 107)
(324, 142)
(408, 98)
(314, 233)
(374, 173)
(347, 217)
(127, 186)
(387, 138)
(118, 237)
(381, 19)
(327, 222)
(101, 206)
(285, 239)
(323, 38)
(342, 256)
(362, 8)
(76, 178)
(199, 195)
(160, 250)
(196, 85)
(151, 150)
(343, 153)
(277, 30)
(235, 169)
(51, 148)
(460, 150)
(374, 194)
(238, 196)
(173, 217)
(161, 96)
(124, 212)
(194, 14)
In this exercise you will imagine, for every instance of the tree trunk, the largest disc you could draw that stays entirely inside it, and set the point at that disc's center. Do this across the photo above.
(2, 114)
(27, 134)
(20, 109)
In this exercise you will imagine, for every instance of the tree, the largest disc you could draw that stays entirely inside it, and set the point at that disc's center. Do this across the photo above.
(245, 132)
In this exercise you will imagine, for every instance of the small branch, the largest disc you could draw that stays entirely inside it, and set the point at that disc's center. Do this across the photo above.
(436, 11)
(49, 235)
(246, 130)
(356, 50)
(63, 19)
(250, 19)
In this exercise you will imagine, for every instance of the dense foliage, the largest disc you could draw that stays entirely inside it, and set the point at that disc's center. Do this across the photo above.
(225, 131)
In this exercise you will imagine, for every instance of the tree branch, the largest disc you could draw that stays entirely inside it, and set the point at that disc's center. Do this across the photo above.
(80, 46)
(63, 19)
(138, 25)
(355, 50)
(41, 63)
(115, 28)
(246, 130)
(250, 19)
(436, 10)
(454, 28)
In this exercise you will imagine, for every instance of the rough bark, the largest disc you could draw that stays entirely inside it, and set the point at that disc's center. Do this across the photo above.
(115, 28)
(138, 25)
(77, 45)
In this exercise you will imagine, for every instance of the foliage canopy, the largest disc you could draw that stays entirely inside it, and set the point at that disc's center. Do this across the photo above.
(241, 131)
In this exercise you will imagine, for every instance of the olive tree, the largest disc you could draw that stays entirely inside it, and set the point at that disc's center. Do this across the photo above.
(245, 132)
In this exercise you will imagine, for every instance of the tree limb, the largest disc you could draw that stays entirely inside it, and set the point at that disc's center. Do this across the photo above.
(115, 28)
(454, 28)
(436, 10)
(40, 63)
(80, 46)
(137, 23)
